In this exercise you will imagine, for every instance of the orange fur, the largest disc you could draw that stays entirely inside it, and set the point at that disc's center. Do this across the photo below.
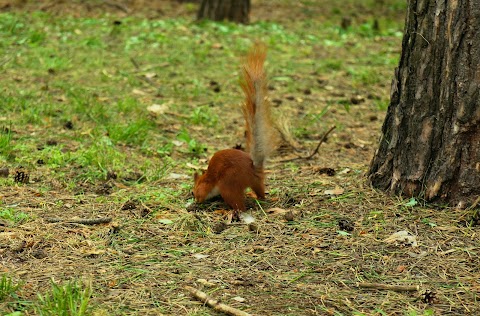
(231, 171)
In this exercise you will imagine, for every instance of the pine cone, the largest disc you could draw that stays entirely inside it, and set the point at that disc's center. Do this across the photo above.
(21, 176)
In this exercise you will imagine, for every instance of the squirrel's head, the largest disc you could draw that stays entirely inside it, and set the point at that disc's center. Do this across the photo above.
(204, 189)
(199, 188)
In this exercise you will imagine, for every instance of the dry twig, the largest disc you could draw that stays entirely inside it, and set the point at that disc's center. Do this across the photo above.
(396, 288)
(5, 61)
(84, 221)
(216, 305)
(144, 78)
(135, 64)
(316, 149)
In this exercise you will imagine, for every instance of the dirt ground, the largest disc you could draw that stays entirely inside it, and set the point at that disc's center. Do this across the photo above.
(311, 252)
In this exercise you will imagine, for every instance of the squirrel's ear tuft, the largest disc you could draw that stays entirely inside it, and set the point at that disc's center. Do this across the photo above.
(195, 177)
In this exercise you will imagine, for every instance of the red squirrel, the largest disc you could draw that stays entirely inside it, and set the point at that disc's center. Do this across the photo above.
(231, 171)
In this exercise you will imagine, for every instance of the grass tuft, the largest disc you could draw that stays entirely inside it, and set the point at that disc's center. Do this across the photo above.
(13, 216)
(70, 299)
(7, 287)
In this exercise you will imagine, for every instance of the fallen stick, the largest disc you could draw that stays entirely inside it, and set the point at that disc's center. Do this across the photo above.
(216, 305)
(84, 221)
(323, 139)
(396, 288)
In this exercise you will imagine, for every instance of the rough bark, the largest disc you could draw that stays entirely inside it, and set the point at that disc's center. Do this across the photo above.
(430, 143)
(220, 10)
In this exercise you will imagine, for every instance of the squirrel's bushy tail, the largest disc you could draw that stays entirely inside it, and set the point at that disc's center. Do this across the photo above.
(256, 109)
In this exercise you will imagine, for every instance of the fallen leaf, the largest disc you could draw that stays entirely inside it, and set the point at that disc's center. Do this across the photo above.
(138, 92)
(150, 75)
(276, 211)
(165, 221)
(192, 166)
(402, 237)
(178, 176)
(345, 171)
(238, 299)
(412, 202)
(205, 283)
(199, 256)
(336, 191)
(157, 109)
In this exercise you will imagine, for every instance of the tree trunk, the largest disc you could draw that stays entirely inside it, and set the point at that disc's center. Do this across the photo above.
(219, 10)
(430, 143)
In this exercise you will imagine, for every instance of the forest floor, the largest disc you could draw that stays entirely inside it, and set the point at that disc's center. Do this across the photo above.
(108, 108)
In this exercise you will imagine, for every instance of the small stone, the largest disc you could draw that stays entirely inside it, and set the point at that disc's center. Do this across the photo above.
(289, 216)
(219, 227)
(39, 254)
(357, 99)
(345, 225)
(4, 172)
(253, 227)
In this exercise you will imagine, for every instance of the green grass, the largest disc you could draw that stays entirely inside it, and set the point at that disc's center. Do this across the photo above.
(75, 98)
(5, 140)
(11, 215)
(194, 146)
(70, 299)
(7, 287)
(85, 70)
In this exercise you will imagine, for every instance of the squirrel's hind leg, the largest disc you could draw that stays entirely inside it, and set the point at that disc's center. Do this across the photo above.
(259, 188)
(234, 197)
